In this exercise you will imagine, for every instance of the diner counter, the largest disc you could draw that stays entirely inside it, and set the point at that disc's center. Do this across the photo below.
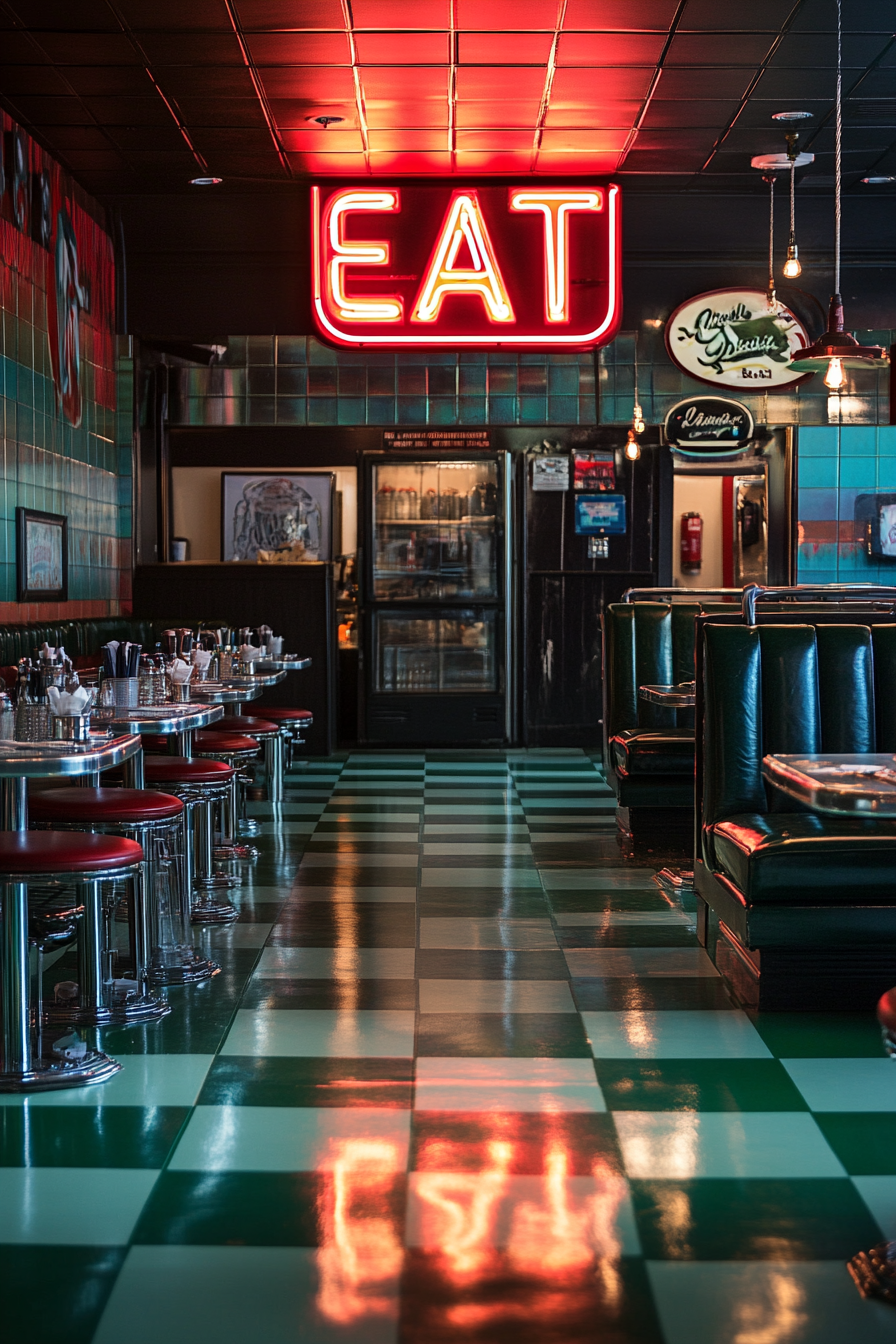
(297, 600)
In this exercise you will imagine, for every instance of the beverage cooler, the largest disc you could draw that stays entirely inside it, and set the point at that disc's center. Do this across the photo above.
(436, 619)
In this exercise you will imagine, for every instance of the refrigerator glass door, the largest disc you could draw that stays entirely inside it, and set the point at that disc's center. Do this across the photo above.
(436, 651)
(435, 531)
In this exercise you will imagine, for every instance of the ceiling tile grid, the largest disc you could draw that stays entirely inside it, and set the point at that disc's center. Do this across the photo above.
(132, 94)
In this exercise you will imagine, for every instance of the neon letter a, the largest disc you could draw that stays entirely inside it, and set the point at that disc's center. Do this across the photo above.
(463, 223)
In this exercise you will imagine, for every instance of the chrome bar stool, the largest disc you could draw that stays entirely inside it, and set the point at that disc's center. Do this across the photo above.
(165, 954)
(53, 860)
(200, 785)
(294, 722)
(237, 751)
(271, 737)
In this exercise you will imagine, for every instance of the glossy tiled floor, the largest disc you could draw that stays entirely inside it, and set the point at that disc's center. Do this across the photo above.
(466, 1077)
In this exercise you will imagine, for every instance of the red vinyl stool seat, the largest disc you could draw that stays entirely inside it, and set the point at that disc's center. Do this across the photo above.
(281, 715)
(103, 805)
(24, 853)
(242, 723)
(178, 770)
(211, 742)
(886, 1016)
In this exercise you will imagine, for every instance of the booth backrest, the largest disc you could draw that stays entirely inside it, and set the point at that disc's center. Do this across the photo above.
(647, 644)
(790, 688)
(81, 638)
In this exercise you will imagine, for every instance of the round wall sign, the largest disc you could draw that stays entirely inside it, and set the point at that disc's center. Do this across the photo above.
(731, 338)
(709, 427)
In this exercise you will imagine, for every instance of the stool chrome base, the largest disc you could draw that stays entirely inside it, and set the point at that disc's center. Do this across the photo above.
(94, 1067)
(128, 1013)
(236, 853)
(214, 912)
(190, 973)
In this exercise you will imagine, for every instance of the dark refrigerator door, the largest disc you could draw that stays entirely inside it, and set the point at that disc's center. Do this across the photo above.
(566, 592)
(434, 619)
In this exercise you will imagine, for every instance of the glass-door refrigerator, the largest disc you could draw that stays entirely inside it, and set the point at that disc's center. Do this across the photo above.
(436, 609)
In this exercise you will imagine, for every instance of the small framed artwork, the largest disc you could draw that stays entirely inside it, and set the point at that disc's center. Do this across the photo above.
(876, 517)
(594, 471)
(41, 556)
(287, 512)
(600, 514)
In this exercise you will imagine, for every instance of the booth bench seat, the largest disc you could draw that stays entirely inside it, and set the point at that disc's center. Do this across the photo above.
(648, 748)
(797, 908)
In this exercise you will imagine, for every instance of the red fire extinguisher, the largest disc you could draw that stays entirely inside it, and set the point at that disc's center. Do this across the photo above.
(691, 543)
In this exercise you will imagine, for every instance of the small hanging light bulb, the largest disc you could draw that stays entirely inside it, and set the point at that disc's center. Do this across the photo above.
(833, 378)
(638, 419)
(792, 267)
(632, 447)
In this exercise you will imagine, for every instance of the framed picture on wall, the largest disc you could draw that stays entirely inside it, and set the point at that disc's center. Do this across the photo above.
(875, 516)
(273, 511)
(41, 556)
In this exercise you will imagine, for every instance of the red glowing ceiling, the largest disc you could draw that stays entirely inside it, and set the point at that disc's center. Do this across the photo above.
(128, 92)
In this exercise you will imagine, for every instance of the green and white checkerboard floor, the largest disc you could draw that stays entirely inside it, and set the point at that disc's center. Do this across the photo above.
(466, 1076)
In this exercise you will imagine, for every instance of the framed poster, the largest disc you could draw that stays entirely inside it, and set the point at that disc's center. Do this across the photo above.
(550, 473)
(41, 556)
(597, 514)
(273, 510)
(876, 515)
(594, 471)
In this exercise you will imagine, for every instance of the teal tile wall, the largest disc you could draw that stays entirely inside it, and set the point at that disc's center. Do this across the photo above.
(835, 463)
(295, 380)
(47, 464)
(661, 384)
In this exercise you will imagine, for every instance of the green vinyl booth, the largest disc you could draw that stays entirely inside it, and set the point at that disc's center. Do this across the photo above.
(82, 639)
(797, 908)
(648, 750)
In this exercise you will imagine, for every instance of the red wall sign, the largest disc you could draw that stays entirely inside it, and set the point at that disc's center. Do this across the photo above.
(530, 267)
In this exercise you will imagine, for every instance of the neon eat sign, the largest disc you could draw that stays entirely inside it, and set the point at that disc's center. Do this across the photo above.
(534, 267)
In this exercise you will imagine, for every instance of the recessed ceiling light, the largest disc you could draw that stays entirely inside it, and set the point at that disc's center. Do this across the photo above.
(791, 116)
(326, 120)
(877, 181)
(205, 181)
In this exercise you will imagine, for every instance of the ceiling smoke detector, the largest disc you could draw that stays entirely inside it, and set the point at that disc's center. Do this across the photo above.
(791, 116)
(325, 120)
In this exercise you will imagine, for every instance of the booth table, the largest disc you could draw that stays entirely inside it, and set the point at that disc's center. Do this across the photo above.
(683, 696)
(858, 786)
(842, 785)
(19, 762)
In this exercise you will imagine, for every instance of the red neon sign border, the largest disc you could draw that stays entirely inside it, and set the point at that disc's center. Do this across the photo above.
(600, 335)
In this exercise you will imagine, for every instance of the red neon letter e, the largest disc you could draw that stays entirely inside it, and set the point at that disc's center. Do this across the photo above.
(342, 252)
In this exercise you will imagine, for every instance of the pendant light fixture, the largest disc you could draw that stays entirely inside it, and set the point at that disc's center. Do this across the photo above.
(837, 350)
(792, 267)
(771, 296)
(770, 165)
(632, 447)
